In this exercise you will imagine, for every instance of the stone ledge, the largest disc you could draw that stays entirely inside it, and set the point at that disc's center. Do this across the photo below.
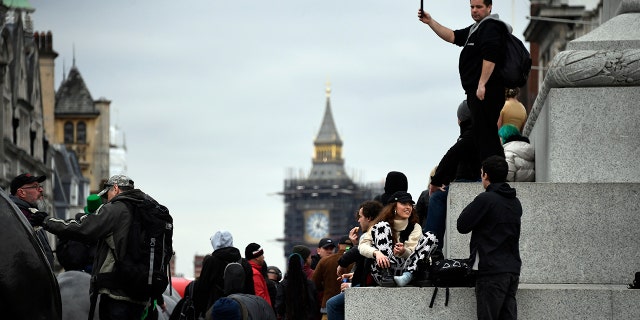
(583, 233)
(535, 301)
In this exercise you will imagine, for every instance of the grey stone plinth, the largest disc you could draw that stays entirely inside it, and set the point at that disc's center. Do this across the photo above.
(621, 32)
(534, 302)
(582, 233)
(588, 135)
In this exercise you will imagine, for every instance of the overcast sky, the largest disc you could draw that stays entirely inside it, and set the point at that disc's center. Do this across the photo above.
(220, 99)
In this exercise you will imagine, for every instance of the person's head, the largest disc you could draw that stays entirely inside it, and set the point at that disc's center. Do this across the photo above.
(116, 185)
(403, 205)
(254, 251)
(345, 243)
(400, 206)
(94, 202)
(480, 9)
(28, 188)
(369, 211)
(226, 308)
(395, 181)
(295, 297)
(464, 113)
(221, 239)
(507, 131)
(274, 273)
(326, 247)
(304, 252)
(494, 170)
(511, 92)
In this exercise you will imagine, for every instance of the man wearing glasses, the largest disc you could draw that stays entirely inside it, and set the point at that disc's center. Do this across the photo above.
(26, 193)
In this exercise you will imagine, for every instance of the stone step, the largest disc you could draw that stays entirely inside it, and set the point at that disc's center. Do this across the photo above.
(583, 233)
(535, 301)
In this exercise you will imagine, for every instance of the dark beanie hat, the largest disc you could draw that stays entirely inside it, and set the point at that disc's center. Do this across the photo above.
(302, 250)
(463, 111)
(226, 308)
(396, 181)
(253, 250)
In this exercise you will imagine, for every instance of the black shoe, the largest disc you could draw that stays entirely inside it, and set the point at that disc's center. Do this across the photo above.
(387, 279)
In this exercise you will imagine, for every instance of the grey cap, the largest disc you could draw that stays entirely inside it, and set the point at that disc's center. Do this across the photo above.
(463, 111)
(119, 180)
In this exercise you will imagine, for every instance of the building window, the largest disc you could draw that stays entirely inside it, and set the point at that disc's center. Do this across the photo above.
(68, 132)
(81, 132)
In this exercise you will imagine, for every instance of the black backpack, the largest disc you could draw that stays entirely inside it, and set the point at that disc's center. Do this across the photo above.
(142, 272)
(447, 273)
(234, 277)
(517, 63)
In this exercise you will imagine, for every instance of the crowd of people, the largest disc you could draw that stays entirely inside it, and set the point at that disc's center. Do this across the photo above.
(393, 245)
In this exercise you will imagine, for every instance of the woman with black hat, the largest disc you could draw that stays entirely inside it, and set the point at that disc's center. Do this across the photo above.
(396, 242)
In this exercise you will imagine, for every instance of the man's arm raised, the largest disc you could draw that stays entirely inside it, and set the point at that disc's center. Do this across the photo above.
(443, 32)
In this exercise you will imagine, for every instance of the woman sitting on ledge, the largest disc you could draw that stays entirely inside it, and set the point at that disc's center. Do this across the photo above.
(396, 240)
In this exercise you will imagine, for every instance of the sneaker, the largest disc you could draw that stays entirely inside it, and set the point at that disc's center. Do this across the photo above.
(404, 279)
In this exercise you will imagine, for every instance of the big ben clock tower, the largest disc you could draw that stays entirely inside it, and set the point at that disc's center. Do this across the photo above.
(322, 204)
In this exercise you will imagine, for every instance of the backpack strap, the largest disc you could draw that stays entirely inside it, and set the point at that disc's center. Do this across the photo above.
(404, 234)
(433, 297)
(243, 307)
(446, 299)
(94, 300)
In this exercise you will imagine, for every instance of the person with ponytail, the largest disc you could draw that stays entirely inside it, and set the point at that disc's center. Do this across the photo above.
(299, 300)
(513, 112)
(396, 242)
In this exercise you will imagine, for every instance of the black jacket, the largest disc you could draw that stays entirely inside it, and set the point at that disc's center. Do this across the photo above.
(209, 287)
(41, 235)
(485, 43)
(494, 219)
(362, 267)
(461, 161)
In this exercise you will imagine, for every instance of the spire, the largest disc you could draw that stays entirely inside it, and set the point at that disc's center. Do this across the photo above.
(328, 133)
(327, 156)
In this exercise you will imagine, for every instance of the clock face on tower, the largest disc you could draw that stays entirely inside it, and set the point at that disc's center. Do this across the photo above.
(316, 225)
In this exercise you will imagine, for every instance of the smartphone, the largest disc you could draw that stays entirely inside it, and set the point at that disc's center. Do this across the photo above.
(421, 9)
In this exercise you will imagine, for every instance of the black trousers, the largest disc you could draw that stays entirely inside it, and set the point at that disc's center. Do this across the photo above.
(496, 296)
(484, 116)
(112, 309)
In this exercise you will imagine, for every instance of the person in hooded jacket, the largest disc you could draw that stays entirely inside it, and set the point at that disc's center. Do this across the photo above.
(519, 153)
(494, 220)
(209, 287)
(394, 182)
(483, 47)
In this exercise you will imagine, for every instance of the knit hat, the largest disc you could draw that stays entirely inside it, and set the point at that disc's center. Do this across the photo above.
(23, 179)
(302, 250)
(464, 113)
(226, 308)
(93, 203)
(275, 270)
(402, 197)
(119, 180)
(395, 181)
(221, 239)
(252, 251)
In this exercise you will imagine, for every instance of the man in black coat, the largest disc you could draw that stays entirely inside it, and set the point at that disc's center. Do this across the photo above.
(494, 219)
